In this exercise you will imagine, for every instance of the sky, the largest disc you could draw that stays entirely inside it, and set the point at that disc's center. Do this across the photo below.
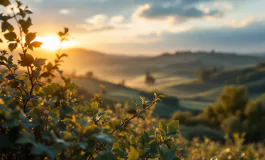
(150, 27)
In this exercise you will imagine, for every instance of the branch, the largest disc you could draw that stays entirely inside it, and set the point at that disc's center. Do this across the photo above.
(123, 124)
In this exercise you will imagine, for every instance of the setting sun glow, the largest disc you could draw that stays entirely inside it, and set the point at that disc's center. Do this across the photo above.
(52, 43)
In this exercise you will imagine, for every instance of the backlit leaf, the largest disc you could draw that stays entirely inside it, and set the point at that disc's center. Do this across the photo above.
(10, 36)
(5, 2)
(36, 44)
(133, 154)
(12, 46)
(30, 37)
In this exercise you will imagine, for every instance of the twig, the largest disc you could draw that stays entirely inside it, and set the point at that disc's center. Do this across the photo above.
(121, 125)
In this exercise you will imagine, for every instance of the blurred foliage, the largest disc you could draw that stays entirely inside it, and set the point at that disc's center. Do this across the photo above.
(233, 113)
(168, 100)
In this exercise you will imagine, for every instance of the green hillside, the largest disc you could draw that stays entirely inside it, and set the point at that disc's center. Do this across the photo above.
(115, 93)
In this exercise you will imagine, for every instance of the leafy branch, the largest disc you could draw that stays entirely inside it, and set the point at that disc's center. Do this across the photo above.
(144, 109)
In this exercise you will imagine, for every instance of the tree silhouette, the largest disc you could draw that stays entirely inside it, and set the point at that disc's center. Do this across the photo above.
(149, 79)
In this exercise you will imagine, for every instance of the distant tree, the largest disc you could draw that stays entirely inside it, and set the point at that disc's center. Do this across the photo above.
(166, 54)
(89, 74)
(205, 74)
(261, 65)
(149, 79)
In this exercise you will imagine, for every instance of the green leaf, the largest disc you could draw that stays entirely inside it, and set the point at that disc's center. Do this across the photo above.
(7, 26)
(40, 149)
(67, 109)
(172, 127)
(66, 30)
(117, 150)
(101, 113)
(133, 140)
(26, 138)
(10, 77)
(169, 155)
(30, 37)
(11, 123)
(45, 74)
(5, 2)
(36, 44)
(63, 55)
(29, 97)
(13, 83)
(104, 138)
(12, 46)
(60, 72)
(142, 117)
(49, 67)
(28, 11)
(131, 111)
(162, 127)
(22, 13)
(38, 62)
(91, 107)
(153, 146)
(25, 24)
(10, 36)
(133, 154)
(10, 58)
(105, 156)
(19, 4)
(26, 60)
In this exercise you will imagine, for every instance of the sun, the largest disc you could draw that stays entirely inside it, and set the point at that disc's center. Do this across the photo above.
(52, 43)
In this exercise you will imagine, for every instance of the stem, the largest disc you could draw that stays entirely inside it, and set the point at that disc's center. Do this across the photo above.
(24, 50)
(124, 123)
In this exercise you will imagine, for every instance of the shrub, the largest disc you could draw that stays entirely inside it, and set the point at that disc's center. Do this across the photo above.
(168, 100)
(235, 113)
(89, 74)
(41, 119)
(202, 132)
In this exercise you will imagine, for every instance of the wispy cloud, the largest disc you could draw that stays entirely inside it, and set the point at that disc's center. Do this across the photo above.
(64, 11)
(101, 22)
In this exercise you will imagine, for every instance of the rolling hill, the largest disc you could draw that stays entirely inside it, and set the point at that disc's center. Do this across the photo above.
(175, 75)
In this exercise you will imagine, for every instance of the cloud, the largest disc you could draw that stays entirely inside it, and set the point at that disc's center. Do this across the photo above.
(250, 38)
(180, 10)
(250, 34)
(116, 20)
(225, 5)
(64, 11)
(242, 23)
(101, 22)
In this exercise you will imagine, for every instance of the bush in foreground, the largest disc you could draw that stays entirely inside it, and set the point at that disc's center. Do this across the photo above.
(41, 119)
